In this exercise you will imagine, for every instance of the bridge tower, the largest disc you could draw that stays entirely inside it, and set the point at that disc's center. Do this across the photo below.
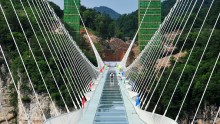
(151, 22)
(71, 17)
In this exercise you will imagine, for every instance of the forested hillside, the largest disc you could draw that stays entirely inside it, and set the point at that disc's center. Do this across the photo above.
(102, 24)
(168, 4)
(211, 99)
(127, 25)
(15, 62)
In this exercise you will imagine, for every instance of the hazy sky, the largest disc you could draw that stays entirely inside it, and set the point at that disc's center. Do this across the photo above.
(120, 6)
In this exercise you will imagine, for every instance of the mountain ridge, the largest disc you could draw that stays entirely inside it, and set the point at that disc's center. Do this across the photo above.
(106, 10)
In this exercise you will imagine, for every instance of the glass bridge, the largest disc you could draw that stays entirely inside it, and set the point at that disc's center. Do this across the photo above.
(111, 109)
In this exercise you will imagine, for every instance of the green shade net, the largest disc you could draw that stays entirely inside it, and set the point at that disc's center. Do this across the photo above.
(151, 21)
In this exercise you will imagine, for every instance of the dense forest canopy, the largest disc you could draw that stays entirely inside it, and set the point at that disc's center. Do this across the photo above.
(212, 96)
(22, 39)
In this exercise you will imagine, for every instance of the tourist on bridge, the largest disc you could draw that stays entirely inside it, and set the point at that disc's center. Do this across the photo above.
(112, 77)
(138, 101)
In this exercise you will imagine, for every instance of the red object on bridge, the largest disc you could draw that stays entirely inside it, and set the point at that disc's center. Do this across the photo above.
(90, 85)
(83, 102)
(101, 70)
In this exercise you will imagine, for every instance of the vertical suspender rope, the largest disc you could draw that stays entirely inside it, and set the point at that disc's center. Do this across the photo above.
(166, 40)
(42, 78)
(58, 52)
(41, 51)
(46, 41)
(157, 52)
(168, 57)
(73, 61)
(146, 47)
(141, 59)
(83, 67)
(205, 89)
(88, 79)
(146, 67)
(13, 81)
(217, 114)
(83, 59)
(124, 59)
(35, 94)
(200, 58)
(145, 60)
(56, 47)
(179, 56)
(99, 60)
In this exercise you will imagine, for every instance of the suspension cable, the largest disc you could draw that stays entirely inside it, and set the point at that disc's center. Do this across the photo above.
(166, 63)
(200, 58)
(37, 99)
(217, 114)
(181, 51)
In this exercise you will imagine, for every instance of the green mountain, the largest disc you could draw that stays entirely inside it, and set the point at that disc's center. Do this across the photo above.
(127, 25)
(105, 10)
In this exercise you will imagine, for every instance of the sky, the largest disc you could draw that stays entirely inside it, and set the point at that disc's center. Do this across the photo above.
(120, 6)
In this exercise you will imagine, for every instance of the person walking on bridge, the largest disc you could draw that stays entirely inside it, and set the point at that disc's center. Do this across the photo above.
(112, 77)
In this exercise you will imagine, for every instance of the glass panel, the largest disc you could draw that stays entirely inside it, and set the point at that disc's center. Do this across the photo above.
(120, 114)
(111, 106)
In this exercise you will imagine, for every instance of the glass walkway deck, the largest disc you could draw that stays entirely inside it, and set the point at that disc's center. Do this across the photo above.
(110, 103)
(111, 109)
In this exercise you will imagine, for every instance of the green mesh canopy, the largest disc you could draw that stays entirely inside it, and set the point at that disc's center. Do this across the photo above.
(151, 22)
(71, 16)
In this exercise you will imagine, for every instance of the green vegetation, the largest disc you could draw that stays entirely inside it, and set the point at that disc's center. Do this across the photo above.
(14, 60)
(103, 24)
(127, 25)
(167, 4)
(105, 27)
(212, 96)
(57, 9)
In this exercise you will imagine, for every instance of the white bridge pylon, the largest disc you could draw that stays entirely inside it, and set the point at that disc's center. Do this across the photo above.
(97, 55)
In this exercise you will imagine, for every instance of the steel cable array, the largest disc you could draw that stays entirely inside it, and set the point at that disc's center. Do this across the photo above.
(75, 71)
